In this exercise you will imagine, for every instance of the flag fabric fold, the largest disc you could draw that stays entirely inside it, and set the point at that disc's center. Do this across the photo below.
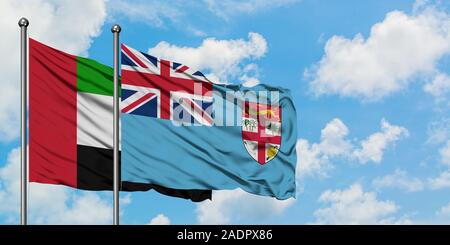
(182, 131)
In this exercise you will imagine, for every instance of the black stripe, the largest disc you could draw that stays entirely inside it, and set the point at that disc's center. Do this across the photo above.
(95, 173)
(194, 195)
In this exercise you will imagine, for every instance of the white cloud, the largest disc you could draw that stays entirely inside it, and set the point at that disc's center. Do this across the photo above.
(445, 153)
(354, 206)
(59, 205)
(373, 147)
(444, 211)
(160, 219)
(439, 86)
(397, 49)
(315, 158)
(332, 138)
(442, 181)
(399, 179)
(66, 25)
(249, 81)
(229, 8)
(51, 204)
(310, 160)
(227, 65)
(232, 206)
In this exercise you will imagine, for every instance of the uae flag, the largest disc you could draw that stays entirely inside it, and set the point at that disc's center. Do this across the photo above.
(70, 124)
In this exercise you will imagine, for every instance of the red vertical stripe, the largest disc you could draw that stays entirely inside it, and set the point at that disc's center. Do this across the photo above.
(165, 93)
(261, 145)
(52, 116)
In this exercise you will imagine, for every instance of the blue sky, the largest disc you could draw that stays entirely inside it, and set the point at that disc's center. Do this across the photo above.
(371, 85)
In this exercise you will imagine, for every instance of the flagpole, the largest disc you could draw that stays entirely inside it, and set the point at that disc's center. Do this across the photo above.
(116, 30)
(23, 23)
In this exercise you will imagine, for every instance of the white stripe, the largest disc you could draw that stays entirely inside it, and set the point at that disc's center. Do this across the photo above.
(95, 120)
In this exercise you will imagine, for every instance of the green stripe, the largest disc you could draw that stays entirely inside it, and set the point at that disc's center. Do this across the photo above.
(93, 77)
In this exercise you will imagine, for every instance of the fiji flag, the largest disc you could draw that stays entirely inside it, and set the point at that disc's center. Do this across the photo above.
(182, 131)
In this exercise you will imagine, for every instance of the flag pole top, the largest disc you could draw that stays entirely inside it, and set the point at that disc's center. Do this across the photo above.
(116, 28)
(24, 22)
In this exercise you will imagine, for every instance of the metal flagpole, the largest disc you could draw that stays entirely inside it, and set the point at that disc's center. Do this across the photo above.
(116, 30)
(23, 23)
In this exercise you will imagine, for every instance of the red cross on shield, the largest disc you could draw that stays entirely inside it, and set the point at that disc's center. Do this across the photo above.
(261, 131)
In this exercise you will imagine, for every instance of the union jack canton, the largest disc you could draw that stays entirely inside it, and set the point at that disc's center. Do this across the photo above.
(164, 89)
